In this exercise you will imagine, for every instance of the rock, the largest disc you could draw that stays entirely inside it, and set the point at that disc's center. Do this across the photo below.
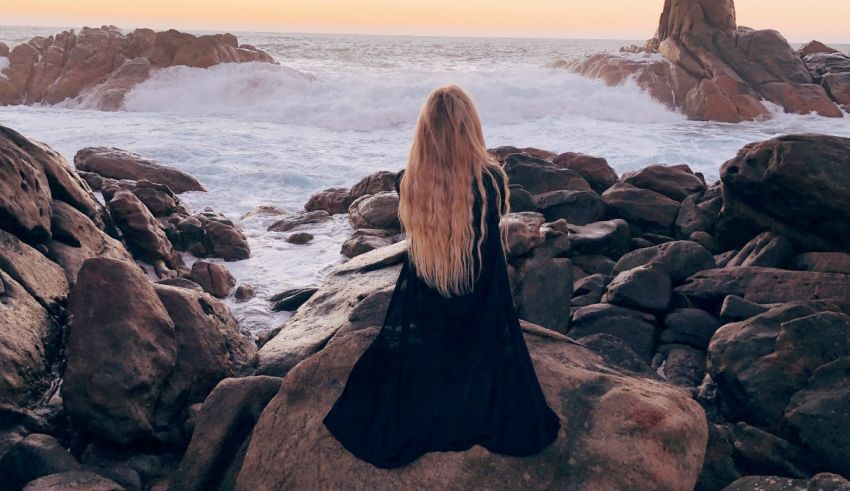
(616, 352)
(520, 200)
(159, 199)
(41, 277)
(210, 234)
(735, 309)
(576, 207)
(24, 362)
(500, 153)
(210, 347)
(594, 170)
(76, 238)
(361, 243)
(677, 182)
(290, 300)
(214, 278)
(542, 291)
(589, 290)
(820, 482)
(699, 212)
(523, 231)
(706, 240)
(244, 292)
(146, 239)
(181, 283)
(681, 259)
(35, 456)
(375, 211)
(718, 470)
(837, 85)
(693, 327)
(379, 182)
(646, 288)
(99, 66)
(221, 434)
(762, 285)
(610, 238)
(594, 264)
(371, 310)
(813, 47)
(766, 249)
(622, 413)
(329, 310)
(25, 197)
(333, 201)
(819, 415)
(121, 164)
(290, 222)
(795, 186)
(299, 238)
(539, 176)
(262, 211)
(760, 363)
(760, 452)
(823, 262)
(649, 210)
(633, 327)
(683, 365)
(73, 480)
(114, 400)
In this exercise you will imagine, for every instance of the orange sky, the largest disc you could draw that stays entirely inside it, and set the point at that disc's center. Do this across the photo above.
(827, 20)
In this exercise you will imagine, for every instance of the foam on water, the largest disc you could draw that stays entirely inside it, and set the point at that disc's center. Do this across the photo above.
(341, 107)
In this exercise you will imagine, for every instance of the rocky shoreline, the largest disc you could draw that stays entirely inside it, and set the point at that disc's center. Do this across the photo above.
(691, 335)
(702, 63)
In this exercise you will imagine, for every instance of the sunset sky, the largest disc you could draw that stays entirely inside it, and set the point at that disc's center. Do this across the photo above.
(826, 20)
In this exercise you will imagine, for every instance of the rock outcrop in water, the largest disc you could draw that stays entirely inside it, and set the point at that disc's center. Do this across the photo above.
(701, 62)
(690, 335)
(98, 66)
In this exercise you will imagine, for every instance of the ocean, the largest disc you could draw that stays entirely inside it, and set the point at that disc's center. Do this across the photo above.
(339, 107)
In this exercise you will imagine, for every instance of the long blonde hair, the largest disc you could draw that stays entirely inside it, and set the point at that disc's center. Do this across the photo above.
(447, 157)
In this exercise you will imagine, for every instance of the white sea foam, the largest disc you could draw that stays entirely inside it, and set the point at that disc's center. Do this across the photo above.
(341, 107)
(4, 64)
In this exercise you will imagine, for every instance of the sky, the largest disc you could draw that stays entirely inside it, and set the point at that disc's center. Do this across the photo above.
(825, 20)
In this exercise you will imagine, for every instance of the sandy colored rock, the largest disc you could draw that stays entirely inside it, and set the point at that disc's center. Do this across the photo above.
(41, 277)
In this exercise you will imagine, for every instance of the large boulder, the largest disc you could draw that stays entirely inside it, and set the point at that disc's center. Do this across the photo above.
(210, 234)
(649, 210)
(576, 207)
(542, 287)
(620, 432)
(538, 176)
(146, 239)
(674, 181)
(646, 288)
(378, 182)
(25, 198)
(610, 238)
(35, 456)
(594, 170)
(375, 211)
(41, 277)
(214, 278)
(637, 329)
(332, 200)
(797, 186)
(681, 259)
(121, 164)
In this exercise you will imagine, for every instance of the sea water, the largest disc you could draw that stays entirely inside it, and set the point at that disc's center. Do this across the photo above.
(339, 107)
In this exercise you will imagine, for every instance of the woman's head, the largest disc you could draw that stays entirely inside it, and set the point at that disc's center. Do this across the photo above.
(447, 158)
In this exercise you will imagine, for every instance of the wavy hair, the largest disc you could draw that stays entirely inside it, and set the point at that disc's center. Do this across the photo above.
(447, 158)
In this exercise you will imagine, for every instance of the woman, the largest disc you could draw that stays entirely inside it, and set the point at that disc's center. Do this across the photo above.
(449, 368)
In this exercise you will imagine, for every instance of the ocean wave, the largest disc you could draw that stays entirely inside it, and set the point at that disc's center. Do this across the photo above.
(365, 101)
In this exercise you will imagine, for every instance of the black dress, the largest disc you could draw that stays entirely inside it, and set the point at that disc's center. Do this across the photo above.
(445, 374)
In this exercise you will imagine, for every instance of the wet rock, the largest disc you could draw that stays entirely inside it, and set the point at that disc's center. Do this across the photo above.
(214, 456)
(677, 182)
(214, 278)
(146, 239)
(24, 363)
(181, 283)
(760, 363)
(681, 259)
(542, 290)
(121, 164)
(35, 456)
(375, 211)
(766, 249)
(74, 480)
(594, 170)
(610, 238)
(645, 288)
(361, 243)
(649, 210)
(290, 300)
(523, 231)
(576, 207)
(635, 328)
(693, 327)
(244, 292)
(290, 222)
(624, 413)
(539, 176)
(111, 400)
(379, 182)
(762, 285)
(333, 201)
(299, 238)
(210, 234)
(823, 262)
(795, 186)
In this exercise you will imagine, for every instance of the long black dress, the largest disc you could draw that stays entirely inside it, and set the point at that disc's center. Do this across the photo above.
(444, 374)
